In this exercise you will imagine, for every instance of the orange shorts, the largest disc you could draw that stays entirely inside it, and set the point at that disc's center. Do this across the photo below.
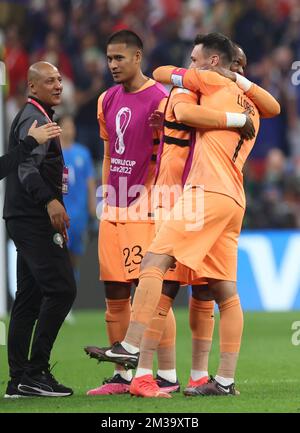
(121, 248)
(202, 234)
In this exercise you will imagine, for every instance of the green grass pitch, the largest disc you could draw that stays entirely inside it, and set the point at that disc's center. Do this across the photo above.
(268, 374)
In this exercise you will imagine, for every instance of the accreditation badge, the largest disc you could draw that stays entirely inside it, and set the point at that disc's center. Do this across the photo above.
(65, 180)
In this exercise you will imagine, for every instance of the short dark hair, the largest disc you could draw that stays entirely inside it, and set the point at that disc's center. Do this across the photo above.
(237, 47)
(219, 43)
(126, 37)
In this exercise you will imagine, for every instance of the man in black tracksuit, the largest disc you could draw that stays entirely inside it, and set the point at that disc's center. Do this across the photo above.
(36, 221)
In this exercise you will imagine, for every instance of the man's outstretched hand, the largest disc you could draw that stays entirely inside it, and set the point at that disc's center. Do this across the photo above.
(45, 132)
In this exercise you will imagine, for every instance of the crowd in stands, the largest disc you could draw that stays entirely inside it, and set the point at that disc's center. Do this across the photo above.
(72, 34)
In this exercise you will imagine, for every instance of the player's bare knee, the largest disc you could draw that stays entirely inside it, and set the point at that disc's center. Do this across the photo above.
(117, 290)
(202, 292)
(170, 288)
(222, 290)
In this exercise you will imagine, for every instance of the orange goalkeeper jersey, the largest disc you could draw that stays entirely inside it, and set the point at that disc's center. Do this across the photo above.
(219, 155)
(178, 140)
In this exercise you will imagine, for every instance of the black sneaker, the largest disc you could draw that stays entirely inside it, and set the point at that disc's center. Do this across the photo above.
(116, 354)
(12, 390)
(212, 387)
(43, 385)
(96, 352)
(167, 386)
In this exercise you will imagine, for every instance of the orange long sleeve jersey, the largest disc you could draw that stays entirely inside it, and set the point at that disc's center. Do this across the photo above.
(177, 139)
(182, 108)
(264, 101)
(219, 155)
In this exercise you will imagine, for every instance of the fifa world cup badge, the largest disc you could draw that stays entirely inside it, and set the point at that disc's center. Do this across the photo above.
(65, 180)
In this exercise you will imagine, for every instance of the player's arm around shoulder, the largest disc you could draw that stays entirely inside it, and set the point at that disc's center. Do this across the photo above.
(204, 81)
(196, 80)
(181, 101)
(267, 105)
(187, 110)
(264, 101)
(163, 74)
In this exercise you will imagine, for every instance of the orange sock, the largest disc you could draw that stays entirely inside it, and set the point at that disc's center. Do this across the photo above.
(117, 318)
(202, 326)
(145, 301)
(230, 330)
(153, 334)
(166, 351)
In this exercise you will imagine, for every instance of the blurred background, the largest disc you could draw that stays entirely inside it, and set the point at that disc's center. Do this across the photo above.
(72, 35)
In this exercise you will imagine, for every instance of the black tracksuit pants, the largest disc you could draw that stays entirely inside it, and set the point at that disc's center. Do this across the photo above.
(46, 290)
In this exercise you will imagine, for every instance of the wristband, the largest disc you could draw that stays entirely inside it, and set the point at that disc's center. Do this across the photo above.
(177, 77)
(235, 120)
(243, 82)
